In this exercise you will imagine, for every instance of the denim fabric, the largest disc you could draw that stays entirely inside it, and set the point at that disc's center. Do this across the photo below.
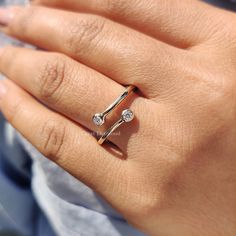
(19, 212)
(38, 198)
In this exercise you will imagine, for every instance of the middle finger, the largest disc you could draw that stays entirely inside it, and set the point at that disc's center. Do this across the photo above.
(113, 49)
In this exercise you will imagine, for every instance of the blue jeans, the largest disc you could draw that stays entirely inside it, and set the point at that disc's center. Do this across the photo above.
(19, 211)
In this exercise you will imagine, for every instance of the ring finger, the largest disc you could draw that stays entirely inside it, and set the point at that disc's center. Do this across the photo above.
(70, 88)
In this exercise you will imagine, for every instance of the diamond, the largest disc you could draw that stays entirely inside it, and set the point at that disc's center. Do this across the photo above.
(127, 115)
(98, 119)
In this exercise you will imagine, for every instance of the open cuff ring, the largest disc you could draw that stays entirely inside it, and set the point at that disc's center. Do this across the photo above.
(99, 118)
(126, 116)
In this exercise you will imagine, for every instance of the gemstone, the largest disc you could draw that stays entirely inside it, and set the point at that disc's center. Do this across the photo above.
(127, 115)
(98, 119)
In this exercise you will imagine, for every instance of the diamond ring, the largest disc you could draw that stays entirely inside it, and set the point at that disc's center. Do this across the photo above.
(99, 118)
(126, 116)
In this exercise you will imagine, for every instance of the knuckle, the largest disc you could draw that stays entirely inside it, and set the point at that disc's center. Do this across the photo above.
(52, 76)
(53, 139)
(85, 33)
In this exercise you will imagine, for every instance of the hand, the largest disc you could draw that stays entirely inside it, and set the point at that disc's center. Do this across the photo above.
(175, 173)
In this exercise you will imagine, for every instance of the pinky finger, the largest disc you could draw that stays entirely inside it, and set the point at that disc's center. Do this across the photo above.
(59, 139)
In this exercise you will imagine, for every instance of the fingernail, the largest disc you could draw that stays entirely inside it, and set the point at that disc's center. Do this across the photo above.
(6, 15)
(3, 90)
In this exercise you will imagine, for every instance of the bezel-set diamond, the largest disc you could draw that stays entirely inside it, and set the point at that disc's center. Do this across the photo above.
(98, 119)
(127, 115)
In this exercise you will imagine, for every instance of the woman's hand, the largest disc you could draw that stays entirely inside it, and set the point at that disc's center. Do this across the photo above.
(176, 173)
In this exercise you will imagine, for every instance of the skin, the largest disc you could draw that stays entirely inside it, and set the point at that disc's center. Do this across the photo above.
(175, 171)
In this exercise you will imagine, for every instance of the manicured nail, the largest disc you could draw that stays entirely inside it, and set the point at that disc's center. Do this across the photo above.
(6, 15)
(3, 90)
